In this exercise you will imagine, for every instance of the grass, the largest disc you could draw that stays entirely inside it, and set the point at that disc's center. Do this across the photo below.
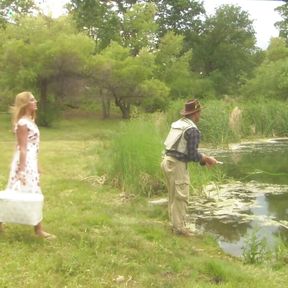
(106, 238)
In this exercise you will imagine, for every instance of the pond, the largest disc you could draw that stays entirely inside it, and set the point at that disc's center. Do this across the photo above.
(254, 201)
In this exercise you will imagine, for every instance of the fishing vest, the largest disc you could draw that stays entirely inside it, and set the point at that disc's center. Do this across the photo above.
(175, 140)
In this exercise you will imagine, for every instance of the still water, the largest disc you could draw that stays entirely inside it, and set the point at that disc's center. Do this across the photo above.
(255, 201)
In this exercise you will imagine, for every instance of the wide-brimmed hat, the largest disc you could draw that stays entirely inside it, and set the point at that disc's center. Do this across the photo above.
(191, 107)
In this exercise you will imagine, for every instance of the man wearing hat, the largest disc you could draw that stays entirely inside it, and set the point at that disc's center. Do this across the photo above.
(181, 147)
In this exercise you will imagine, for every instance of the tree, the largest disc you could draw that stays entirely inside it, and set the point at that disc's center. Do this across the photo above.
(271, 76)
(226, 49)
(173, 68)
(180, 16)
(139, 28)
(133, 28)
(283, 24)
(130, 25)
(97, 19)
(10, 9)
(43, 54)
(154, 94)
(124, 76)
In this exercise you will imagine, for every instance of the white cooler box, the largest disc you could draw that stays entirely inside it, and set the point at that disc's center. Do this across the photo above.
(21, 208)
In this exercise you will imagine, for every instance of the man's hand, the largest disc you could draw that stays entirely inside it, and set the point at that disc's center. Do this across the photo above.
(209, 161)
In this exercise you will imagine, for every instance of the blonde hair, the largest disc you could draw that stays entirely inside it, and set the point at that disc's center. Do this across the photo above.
(18, 110)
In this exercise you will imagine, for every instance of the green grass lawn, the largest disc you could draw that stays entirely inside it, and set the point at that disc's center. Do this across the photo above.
(105, 237)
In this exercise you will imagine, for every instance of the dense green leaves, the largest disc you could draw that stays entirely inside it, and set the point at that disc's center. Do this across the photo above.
(225, 52)
(124, 76)
(97, 19)
(44, 55)
(173, 67)
(179, 16)
(137, 53)
(139, 28)
(271, 78)
(283, 24)
(11, 9)
(223, 45)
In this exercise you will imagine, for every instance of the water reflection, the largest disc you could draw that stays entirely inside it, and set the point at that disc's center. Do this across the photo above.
(257, 201)
(265, 162)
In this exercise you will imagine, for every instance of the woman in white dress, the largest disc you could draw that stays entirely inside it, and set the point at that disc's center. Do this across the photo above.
(24, 167)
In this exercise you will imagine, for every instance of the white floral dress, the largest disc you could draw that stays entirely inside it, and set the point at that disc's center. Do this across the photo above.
(32, 178)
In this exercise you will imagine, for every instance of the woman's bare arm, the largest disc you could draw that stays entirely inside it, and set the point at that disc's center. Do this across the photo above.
(22, 135)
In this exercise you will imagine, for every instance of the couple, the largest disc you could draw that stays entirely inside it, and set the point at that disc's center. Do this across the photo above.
(24, 167)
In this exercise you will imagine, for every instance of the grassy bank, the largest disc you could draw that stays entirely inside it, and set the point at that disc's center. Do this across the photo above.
(107, 236)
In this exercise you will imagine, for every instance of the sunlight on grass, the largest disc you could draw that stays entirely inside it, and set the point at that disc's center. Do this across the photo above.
(106, 238)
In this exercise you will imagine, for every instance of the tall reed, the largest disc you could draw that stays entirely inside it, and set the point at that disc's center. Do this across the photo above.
(136, 155)
(214, 123)
(265, 118)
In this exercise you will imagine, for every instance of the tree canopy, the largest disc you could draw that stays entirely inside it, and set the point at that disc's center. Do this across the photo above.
(40, 54)
(136, 53)
(11, 9)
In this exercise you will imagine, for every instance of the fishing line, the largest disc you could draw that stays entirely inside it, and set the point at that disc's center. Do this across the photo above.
(258, 171)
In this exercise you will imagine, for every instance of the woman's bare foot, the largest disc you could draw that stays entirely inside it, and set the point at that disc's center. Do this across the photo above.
(41, 233)
(45, 235)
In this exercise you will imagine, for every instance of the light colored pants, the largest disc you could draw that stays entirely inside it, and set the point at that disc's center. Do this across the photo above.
(178, 181)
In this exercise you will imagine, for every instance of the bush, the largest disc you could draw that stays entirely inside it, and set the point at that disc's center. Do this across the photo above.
(49, 114)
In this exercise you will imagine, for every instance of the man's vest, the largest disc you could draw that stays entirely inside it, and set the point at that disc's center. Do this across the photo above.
(175, 140)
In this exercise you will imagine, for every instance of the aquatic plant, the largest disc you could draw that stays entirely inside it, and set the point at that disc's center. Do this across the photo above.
(255, 249)
(280, 253)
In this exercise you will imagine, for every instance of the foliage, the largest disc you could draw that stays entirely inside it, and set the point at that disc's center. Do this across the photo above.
(214, 123)
(97, 19)
(136, 155)
(195, 57)
(173, 111)
(155, 94)
(130, 167)
(255, 250)
(139, 28)
(126, 77)
(258, 119)
(133, 28)
(43, 55)
(180, 16)
(265, 118)
(280, 253)
(225, 51)
(173, 68)
(282, 25)
(10, 10)
(270, 79)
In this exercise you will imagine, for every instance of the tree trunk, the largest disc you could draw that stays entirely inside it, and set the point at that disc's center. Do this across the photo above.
(124, 107)
(105, 109)
(43, 93)
(43, 103)
(105, 106)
